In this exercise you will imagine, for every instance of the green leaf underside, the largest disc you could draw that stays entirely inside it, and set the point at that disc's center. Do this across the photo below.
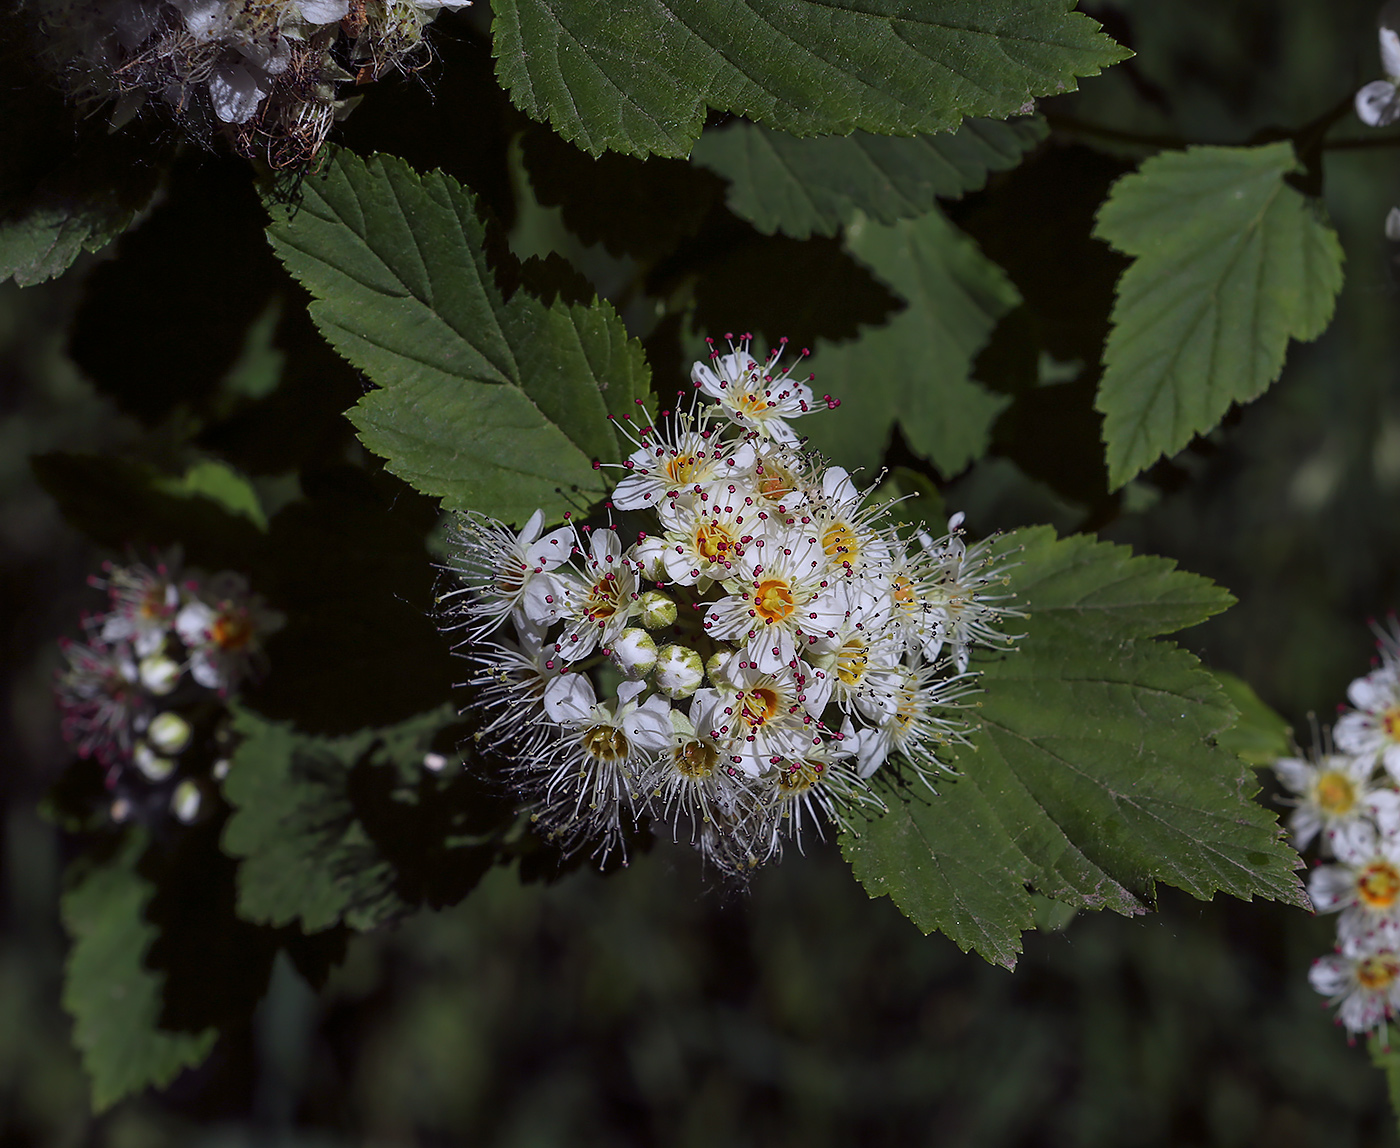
(915, 369)
(304, 854)
(491, 404)
(636, 76)
(1230, 262)
(1093, 774)
(800, 186)
(115, 1001)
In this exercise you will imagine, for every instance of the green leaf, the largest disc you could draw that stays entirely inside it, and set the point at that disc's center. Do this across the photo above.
(115, 1001)
(1387, 1059)
(636, 76)
(1094, 774)
(1260, 735)
(492, 404)
(916, 369)
(799, 186)
(221, 484)
(1229, 263)
(124, 504)
(306, 854)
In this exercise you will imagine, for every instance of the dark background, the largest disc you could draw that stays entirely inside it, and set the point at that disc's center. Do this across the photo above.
(651, 1006)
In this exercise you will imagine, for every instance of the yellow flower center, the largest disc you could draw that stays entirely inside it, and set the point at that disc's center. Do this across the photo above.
(1378, 885)
(773, 600)
(605, 743)
(510, 579)
(1335, 793)
(232, 631)
(776, 482)
(800, 777)
(602, 600)
(1379, 971)
(851, 662)
(839, 540)
(1390, 722)
(714, 540)
(695, 760)
(755, 403)
(904, 595)
(756, 706)
(682, 468)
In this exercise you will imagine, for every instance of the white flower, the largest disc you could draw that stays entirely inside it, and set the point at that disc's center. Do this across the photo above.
(918, 727)
(783, 599)
(144, 603)
(100, 699)
(1364, 886)
(1365, 985)
(1377, 103)
(752, 395)
(763, 717)
(503, 573)
(682, 459)
(1372, 730)
(1333, 790)
(222, 627)
(758, 568)
(597, 606)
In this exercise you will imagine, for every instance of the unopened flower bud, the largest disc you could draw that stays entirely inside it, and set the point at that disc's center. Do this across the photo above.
(717, 668)
(150, 763)
(647, 557)
(679, 671)
(159, 674)
(220, 769)
(186, 800)
(657, 610)
(634, 653)
(168, 733)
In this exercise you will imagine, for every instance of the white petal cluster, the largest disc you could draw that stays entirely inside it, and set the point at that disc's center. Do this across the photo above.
(739, 668)
(131, 694)
(1378, 103)
(1348, 802)
(274, 72)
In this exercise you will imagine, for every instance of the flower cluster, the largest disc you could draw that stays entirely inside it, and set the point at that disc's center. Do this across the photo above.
(1347, 800)
(152, 672)
(273, 72)
(1378, 103)
(741, 668)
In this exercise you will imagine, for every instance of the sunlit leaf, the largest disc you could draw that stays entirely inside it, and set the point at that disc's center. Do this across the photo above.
(1230, 262)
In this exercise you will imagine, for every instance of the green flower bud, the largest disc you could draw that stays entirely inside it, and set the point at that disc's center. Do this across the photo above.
(186, 800)
(150, 763)
(657, 610)
(679, 671)
(168, 733)
(634, 652)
